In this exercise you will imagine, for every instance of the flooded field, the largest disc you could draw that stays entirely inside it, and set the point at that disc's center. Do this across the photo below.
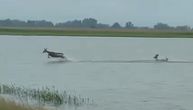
(116, 73)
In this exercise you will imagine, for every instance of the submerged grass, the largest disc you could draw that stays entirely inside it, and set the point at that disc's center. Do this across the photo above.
(95, 32)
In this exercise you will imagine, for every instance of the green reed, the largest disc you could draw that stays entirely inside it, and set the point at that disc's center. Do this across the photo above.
(45, 95)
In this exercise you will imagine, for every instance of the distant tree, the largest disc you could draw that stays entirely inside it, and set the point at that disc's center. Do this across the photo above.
(41, 23)
(144, 27)
(71, 24)
(162, 26)
(77, 23)
(100, 25)
(116, 25)
(12, 23)
(89, 22)
(18, 23)
(5, 22)
(129, 25)
(183, 28)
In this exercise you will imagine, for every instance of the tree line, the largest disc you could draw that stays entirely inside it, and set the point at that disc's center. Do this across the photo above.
(87, 23)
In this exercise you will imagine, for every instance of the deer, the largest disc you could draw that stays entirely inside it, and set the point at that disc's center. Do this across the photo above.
(54, 54)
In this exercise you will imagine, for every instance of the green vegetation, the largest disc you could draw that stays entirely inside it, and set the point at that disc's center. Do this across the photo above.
(53, 31)
(91, 27)
(45, 95)
(10, 105)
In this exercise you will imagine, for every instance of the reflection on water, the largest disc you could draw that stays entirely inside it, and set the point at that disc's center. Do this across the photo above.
(118, 73)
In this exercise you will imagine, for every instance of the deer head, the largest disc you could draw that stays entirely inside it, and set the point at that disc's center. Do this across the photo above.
(45, 50)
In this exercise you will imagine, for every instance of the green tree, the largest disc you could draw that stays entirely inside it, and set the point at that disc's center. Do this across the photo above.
(116, 25)
(162, 26)
(89, 22)
(129, 25)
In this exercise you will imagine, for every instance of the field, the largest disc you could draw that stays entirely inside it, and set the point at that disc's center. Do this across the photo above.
(95, 32)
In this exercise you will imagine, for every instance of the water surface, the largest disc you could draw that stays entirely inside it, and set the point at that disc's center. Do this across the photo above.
(102, 68)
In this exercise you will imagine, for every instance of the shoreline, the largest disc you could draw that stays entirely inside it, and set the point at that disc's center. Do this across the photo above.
(88, 32)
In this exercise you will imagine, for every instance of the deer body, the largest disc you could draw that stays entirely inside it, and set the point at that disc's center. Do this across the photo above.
(54, 54)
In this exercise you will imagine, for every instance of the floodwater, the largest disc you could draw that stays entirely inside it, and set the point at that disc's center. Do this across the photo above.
(117, 73)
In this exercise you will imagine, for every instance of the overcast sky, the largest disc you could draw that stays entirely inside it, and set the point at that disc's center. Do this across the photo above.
(140, 12)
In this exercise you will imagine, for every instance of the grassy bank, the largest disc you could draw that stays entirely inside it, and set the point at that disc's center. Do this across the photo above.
(95, 32)
(10, 105)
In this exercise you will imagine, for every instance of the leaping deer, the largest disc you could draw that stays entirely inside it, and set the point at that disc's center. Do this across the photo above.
(54, 54)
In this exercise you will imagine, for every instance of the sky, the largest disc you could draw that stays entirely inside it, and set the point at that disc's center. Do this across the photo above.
(140, 12)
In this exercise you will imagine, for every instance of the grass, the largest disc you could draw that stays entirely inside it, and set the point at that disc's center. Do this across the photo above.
(45, 95)
(148, 33)
(10, 105)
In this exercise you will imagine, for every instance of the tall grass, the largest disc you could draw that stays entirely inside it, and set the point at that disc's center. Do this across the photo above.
(11, 105)
(44, 95)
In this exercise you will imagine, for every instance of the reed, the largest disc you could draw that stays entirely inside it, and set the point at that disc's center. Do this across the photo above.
(11, 105)
(44, 95)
